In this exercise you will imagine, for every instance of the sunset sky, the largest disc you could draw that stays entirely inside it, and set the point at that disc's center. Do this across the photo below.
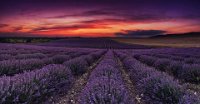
(97, 18)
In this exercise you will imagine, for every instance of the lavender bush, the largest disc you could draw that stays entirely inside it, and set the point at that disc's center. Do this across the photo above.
(161, 64)
(34, 86)
(5, 57)
(11, 67)
(189, 98)
(173, 67)
(27, 56)
(149, 60)
(160, 88)
(78, 66)
(190, 73)
(59, 59)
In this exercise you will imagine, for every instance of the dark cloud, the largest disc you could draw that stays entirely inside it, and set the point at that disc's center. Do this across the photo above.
(147, 17)
(98, 12)
(192, 16)
(86, 14)
(141, 33)
(56, 28)
(19, 34)
(16, 34)
(18, 28)
(3, 25)
(71, 27)
(60, 16)
(100, 21)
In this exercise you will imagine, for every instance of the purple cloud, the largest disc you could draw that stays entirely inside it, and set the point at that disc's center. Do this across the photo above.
(141, 33)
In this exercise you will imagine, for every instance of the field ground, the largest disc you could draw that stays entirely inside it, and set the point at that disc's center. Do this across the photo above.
(165, 42)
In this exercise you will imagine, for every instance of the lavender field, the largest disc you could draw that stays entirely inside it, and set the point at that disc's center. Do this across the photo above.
(33, 74)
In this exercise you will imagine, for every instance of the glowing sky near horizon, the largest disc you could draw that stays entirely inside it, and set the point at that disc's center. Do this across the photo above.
(97, 18)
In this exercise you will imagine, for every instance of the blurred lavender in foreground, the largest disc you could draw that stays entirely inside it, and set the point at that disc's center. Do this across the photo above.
(35, 85)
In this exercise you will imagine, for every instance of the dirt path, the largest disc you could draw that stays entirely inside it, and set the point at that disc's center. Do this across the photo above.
(71, 96)
(128, 83)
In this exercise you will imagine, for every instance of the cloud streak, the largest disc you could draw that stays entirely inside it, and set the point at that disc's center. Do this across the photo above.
(141, 33)
(3, 25)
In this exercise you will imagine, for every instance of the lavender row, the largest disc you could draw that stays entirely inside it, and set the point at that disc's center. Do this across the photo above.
(22, 51)
(183, 52)
(25, 56)
(177, 53)
(34, 86)
(80, 65)
(186, 72)
(8, 54)
(156, 87)
(186, 55)
(15, 49)
(29, 56)
(189, 60)
(105, 84)
(11, 67)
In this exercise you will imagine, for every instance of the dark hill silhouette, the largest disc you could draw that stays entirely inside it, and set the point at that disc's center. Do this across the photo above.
(184, 35)
(171, 40)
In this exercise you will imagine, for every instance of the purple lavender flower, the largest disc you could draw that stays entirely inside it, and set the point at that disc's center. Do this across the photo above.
(34, 86)
(190, 98)
(190, 73)
(105, 85)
